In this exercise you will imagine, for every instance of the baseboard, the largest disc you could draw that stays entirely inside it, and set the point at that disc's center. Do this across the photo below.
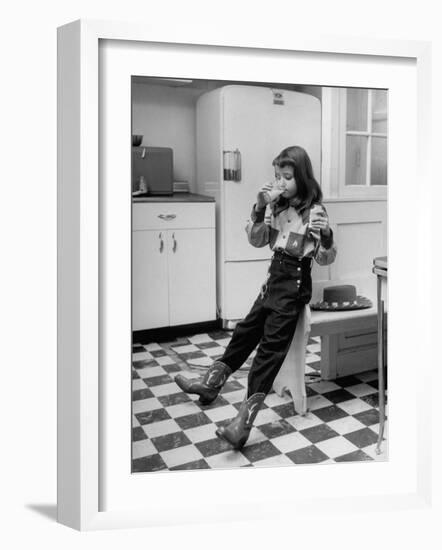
(165, 334)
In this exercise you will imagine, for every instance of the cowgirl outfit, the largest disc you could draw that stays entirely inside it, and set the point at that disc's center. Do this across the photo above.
(272, 320)
(288, 288)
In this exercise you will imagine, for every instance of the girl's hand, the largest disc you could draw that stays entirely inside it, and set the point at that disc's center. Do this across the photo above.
(319, 223)
(268, 186)
(261, 201)
(263, 198)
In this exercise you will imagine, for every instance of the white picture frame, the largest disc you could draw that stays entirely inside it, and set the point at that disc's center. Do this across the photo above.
(81, 295)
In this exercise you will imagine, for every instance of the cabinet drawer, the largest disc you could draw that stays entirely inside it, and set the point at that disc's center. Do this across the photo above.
(357, 338)
(172, 215)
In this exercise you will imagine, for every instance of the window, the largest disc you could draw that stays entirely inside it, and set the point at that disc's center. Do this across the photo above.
(365, 137)
(354, 143)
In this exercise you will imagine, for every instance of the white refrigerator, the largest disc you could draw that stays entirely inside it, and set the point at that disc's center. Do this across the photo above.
(239, 131)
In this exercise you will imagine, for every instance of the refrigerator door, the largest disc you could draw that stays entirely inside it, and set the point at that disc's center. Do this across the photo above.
(260, 122)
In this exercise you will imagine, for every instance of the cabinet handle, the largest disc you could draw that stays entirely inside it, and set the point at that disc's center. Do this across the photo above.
(174, 242)
(161, 242)
(167, 217)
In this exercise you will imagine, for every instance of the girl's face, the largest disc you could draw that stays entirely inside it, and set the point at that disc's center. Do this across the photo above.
(285, 178)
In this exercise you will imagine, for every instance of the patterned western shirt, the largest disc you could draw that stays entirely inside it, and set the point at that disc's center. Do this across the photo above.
(283, 229)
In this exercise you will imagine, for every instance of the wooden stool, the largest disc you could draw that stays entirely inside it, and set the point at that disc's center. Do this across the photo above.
(292, 372)
(348, 346)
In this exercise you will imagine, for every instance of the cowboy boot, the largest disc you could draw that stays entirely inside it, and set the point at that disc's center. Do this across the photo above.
(237, 432)
(207, 387)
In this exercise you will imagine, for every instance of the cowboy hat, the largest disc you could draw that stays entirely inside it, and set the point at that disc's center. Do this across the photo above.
(340, 298)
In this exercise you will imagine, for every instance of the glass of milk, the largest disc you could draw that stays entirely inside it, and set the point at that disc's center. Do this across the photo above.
(270, 195)
(316, 211)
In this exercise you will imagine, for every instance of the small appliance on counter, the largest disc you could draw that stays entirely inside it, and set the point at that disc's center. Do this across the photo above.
(181, 187)
(152, 171)
(137, 140)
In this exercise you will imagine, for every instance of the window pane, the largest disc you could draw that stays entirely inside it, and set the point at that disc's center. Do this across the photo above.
(379, 161)
(356, 109)
(356, 160)
(379, 114)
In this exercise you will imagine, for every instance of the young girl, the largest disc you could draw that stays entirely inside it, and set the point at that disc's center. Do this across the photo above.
(297, 230)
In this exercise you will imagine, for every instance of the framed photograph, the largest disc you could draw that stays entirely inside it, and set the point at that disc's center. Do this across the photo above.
(188, 177)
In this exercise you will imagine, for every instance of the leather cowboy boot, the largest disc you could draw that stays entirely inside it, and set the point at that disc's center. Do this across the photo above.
(237, 432)
(207, 387)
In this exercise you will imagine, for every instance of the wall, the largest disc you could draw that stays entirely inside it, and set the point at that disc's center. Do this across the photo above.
(312, 90)
(165, 116)
(360, 229)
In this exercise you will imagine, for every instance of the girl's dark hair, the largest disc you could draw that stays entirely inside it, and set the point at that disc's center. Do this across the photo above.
(308, 192)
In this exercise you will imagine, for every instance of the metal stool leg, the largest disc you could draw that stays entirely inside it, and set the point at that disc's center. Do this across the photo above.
(381, 385)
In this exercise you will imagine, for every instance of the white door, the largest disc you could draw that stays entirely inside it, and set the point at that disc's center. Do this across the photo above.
(192, 286)
(150, 301)
(260, 125)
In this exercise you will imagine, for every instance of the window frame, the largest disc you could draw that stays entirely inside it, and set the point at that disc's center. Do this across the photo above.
(334, 135)
(369, 134)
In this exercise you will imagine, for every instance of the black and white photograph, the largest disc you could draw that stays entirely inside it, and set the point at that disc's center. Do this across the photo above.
(259, 274)
(221, 231)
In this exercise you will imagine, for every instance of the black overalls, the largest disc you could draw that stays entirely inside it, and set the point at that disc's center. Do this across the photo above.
(271, 322)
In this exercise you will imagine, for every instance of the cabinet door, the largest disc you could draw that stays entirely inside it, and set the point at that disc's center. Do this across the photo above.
(192, 283)
(150, 301)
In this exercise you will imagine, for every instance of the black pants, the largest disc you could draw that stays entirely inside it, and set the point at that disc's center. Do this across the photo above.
(271, 322)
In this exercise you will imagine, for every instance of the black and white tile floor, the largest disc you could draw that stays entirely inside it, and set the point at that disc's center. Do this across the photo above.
(172, 431)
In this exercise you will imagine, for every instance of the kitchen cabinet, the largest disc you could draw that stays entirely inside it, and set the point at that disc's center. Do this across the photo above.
(173, 264)
(149, 277)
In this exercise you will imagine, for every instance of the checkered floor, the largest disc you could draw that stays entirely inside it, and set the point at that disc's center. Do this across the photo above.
(172, 431)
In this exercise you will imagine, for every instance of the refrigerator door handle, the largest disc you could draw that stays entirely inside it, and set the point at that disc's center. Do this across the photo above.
(227, 165)
(237, 171)
(232, 165)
